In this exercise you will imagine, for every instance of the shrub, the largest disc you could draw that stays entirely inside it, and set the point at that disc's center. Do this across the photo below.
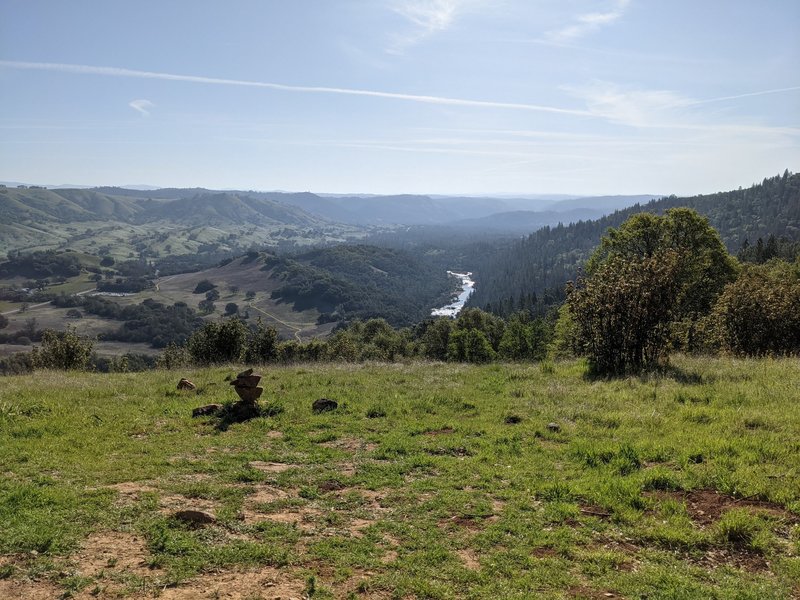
(63, 350)
(758, 313)
(222, 342)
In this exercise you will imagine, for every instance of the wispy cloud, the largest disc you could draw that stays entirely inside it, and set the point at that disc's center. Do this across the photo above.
(141, 106)
(430, 15)
(587, 22)
(427, 17)
(666, 109)
(442, 100)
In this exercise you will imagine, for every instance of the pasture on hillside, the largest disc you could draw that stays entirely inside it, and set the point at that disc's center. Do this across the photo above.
(429, 480)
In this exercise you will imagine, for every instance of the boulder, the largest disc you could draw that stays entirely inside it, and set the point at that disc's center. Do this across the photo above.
(249, 394)
(185, 384)
(249, 381)
(324, 405)
(554, 427)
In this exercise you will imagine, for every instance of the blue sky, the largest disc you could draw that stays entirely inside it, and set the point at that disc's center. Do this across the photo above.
(401, 96)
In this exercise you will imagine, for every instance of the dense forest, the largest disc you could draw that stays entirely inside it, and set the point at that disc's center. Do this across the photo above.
(531, 273)
(361, 282)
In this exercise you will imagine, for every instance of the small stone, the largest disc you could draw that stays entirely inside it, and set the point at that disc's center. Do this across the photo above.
(208, 409)
(513, 419)
(554, 427)
(194, 517)
(324, 405)
(185, 384)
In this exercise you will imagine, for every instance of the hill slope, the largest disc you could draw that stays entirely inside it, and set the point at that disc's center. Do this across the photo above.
(533, 271)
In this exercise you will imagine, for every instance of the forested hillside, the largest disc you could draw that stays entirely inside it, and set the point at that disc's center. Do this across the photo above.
(531, 273)
(346, 282)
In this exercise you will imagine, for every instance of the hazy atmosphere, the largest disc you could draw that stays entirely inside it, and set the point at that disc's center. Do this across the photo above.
(401, 96)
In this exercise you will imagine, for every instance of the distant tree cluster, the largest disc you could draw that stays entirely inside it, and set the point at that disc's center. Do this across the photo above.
(475, 337)
(150, 322)
(41, 265)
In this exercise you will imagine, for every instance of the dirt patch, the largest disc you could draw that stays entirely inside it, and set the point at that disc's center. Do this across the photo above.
(347, 469)
(264, 583)
(271, 467)
(130, 492)
(470, 559)
(303, 518)
(351, 445)
(544, 553)
(705, 507)
(274, 434)
(169, 504)
(442, 431)
(112, 552)
(28, 590)
(592, 510)
(739, 559)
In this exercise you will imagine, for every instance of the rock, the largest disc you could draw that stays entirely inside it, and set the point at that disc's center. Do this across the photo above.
(194, 517)
(208, 409)
(324, 405)
(249, 394)
(246, 373)
(513, 419)
(239, 412)
(554, 427)
(249, 381)
(185, 384)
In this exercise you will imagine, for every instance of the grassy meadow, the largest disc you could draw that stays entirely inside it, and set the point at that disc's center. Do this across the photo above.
(428, 481)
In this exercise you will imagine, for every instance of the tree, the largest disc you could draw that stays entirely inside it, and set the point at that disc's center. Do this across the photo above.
(231, 308)
(250, 295)
(437, 337)
(470, 345)
(651, 277)
(3, 322)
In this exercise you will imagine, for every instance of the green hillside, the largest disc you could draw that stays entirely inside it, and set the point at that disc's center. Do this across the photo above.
(428, 481)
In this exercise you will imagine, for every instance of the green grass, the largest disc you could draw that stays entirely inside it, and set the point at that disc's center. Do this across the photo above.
(417, 486)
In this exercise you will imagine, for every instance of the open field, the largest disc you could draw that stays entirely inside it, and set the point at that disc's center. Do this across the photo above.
(428, 481)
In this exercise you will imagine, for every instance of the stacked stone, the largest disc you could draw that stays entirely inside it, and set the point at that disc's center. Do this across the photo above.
(246, 385)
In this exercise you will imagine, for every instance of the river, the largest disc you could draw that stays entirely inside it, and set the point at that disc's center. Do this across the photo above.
(452, 309)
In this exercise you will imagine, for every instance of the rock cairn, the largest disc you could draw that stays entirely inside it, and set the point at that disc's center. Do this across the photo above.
(246, 386)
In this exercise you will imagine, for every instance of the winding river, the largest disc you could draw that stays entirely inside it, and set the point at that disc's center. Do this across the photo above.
(452, 309)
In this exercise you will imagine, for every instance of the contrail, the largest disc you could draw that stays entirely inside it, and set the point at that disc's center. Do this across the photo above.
(738, 96)
(119, 72)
